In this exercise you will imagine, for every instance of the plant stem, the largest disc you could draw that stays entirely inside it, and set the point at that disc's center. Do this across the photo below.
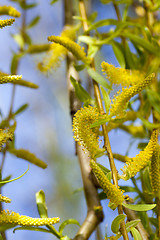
(104, 127)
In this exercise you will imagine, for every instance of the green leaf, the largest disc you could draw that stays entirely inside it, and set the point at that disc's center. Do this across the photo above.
(119, 53)
(53, 1)
(128, 189)
(19, 40)
(8, 181)
(79, 67)
(99, 122)
(92, 50)
(21, 109)
(65, 223)
(149, 125)
(106, 99)
(116, 223)
(28, 156)
(80, 92)
(104, 169)
(41, 204)
(140, 207)
(129, 57)
(154, 99)
(37, 229)
(154, 221)
(98, 78)
(136, 234)
(27, 6)
(132, 223)
(33, 22)
(14, 63)
(143, 43)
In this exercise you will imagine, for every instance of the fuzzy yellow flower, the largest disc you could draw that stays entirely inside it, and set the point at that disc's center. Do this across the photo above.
(83, 133)
(155, 172)
(7, 22)
(56, 52)
(115, 195)
(9, 10)
(120, 102)
(125, 77)
(7, 217)
(135, 164)
(4, 199)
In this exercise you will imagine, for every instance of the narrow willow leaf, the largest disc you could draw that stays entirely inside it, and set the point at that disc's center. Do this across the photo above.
(129, 57)
(143, 43)
(128, 188)
(149, 125)
(104, 169)
(116, 223)
(41, 204)
(8, 181)
(106, 99)
(33, 22)
(154, 99)
(67, 222)
(136, 234)
(140, 207)
(98, 78)
(38, 48)
(21, 109)
(14, 63)
(65, 238)
(37, 229)
(30, 157)
(119, 53)
(154, 221)
(132, 223)
(80, 92)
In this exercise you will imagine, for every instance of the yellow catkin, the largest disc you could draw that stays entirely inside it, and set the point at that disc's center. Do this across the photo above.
(10, 78)
(30, 157)
(83, 133)
(122, 76)
(119, 103)
(7, 22)
(155, 172)
(71, 46)
(5, 135)
(135, 164)
(56, 52)
(115, 195)
(7, 217)
(9, 10)
(4, 199)
(16, 79)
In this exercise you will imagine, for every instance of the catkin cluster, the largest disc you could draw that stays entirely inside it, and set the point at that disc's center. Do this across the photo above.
(115, 195)
(7, 217)
(135, 164)
(155, 172)
(83, 133)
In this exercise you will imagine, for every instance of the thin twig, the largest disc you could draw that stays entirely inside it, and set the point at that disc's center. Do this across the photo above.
(104, 127)
(93, 217)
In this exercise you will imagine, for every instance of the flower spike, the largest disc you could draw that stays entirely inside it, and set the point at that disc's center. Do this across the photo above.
(4, 199)
(120, 102)
(7, 217)
(114, 194)
(7, 22)
(9, 10)
(135, 164)
(155, 172)
(83, 133)
(125, 77)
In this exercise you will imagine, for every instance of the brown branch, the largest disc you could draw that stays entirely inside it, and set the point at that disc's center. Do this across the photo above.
(93, 217)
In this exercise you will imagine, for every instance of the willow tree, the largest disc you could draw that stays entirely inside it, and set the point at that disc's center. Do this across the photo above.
(95, 111)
